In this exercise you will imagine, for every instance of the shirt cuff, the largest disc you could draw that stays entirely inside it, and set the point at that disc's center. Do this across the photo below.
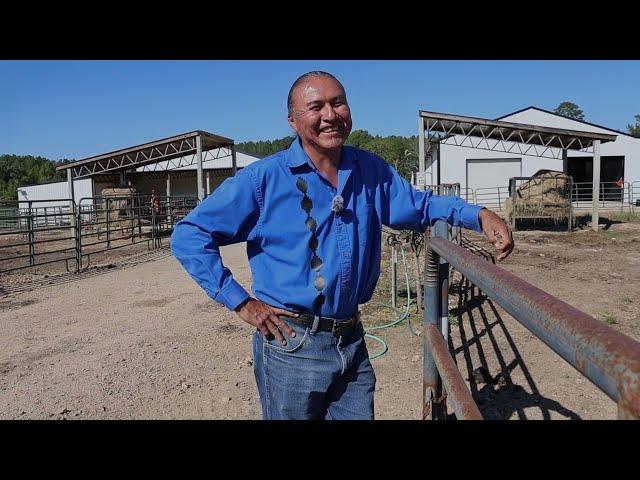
(470, 217)
(232, 294)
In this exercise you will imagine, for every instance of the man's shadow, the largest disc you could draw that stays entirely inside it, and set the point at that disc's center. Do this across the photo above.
(497, 397)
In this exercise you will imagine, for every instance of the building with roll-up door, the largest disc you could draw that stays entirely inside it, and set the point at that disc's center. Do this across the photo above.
(475, 168)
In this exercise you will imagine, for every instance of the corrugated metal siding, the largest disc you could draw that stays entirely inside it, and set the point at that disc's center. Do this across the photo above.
(82, 188)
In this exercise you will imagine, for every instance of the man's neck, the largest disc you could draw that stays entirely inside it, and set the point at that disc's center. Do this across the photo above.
(326, 161)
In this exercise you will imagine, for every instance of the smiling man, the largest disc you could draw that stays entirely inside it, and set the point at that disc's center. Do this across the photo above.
(311, 216)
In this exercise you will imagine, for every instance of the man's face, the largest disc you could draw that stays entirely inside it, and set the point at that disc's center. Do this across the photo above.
(321, 115)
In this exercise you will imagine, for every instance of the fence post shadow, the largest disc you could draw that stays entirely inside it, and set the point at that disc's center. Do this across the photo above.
(497, 396)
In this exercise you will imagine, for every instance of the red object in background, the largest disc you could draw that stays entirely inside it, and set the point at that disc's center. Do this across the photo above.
(155, 201)
(619, 182)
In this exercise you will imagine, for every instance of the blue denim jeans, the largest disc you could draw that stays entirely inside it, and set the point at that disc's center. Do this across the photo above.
(317, 375)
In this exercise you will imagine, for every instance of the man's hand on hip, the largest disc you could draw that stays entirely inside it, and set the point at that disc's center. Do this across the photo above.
(265, 318)
(497, 232)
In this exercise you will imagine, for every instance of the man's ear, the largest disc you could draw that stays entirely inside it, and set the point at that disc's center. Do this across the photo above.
(292, 122)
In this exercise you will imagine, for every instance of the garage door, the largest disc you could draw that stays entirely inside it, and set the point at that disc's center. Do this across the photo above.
(492, 172)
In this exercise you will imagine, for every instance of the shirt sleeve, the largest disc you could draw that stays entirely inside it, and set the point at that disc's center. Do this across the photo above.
(411, 209)
(229, 215)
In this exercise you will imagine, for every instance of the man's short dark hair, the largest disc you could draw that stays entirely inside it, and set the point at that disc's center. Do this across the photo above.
(302, 78)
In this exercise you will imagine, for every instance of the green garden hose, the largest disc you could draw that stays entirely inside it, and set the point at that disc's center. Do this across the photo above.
(400, 316)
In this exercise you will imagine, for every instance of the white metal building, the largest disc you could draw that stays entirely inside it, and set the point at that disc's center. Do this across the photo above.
(476, 168)
(83, 187)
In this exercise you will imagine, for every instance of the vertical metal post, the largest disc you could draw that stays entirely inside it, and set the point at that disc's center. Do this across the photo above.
(30, 235)
(512, 188)
(595, 216)
(138, 200)
(437, 152)
(442, 230)
(78, 239)
(208, 183)
(168, 184)
(421, 151)
(570, 180)
(394, 273)
(432, 404)
(132, 215)
(75, 226)
(234, 167)
(199, 168)
(154, 240)
(108, 228)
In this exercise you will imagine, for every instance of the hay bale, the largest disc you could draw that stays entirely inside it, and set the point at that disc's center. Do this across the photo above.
(120, 200)
(545, 195)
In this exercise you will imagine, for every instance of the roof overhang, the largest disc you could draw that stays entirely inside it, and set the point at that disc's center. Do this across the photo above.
(478, 132)
(157, 151)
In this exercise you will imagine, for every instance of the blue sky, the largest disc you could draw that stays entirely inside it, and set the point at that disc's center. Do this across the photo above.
(76, 109)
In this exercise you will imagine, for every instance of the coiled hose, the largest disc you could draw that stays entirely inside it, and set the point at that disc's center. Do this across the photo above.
(393, 241)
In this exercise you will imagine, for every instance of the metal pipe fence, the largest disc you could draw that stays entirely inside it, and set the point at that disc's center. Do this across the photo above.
(611, 195)
(608, 358)
(32, 234)
(491, 197)
(634, 195)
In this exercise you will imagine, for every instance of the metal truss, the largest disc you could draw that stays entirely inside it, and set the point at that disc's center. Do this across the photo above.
(187, 160)
(507, 140)
(137, 158)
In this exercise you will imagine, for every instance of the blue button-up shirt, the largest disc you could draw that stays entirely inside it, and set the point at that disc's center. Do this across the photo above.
(263, 206)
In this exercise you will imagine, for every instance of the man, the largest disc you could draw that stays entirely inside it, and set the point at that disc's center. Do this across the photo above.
(311, 216)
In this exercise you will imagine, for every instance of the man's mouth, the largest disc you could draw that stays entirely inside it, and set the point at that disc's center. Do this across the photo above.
(330, 130)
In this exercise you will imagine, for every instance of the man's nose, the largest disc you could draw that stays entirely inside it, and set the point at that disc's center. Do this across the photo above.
(328, 113)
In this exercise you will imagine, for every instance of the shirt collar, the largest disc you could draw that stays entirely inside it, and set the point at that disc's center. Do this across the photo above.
(296, 156)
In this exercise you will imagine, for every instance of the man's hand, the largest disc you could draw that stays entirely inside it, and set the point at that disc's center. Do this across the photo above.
(265, 318)
(496, 232)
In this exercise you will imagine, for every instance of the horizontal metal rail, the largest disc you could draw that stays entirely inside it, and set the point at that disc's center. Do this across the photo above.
(458, 394)
(116, 221)
(611, 195)
(64, 259)
(491, 197)
(608, 358)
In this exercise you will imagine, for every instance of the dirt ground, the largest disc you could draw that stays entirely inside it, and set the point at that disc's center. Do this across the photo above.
(133, 337)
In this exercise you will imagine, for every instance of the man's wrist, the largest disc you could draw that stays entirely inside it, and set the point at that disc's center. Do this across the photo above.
(242, 304)
(480, 214)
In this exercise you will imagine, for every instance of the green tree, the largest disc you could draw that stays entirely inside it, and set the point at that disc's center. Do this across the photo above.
(264, 148)
(20, 170)
(359, 139)
(634, 130)
(570, 110)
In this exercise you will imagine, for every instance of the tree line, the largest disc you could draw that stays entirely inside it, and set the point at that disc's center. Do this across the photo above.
(21, 170)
